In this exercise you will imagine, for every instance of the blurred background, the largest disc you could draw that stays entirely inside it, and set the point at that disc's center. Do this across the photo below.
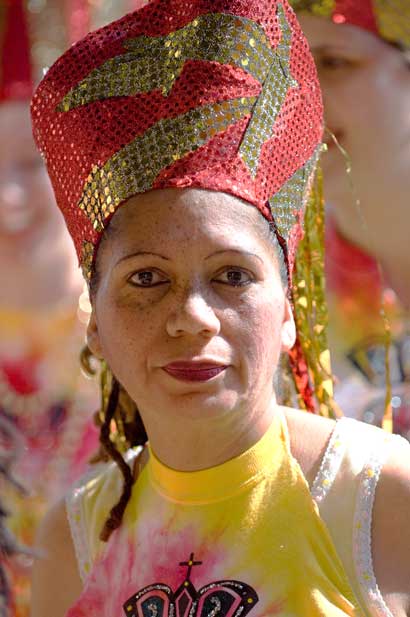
(47, 432)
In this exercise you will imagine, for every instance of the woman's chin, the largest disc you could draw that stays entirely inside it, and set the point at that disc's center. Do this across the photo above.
(202, 405)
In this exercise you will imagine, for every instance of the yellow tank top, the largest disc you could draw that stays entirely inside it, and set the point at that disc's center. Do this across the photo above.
(241, 538)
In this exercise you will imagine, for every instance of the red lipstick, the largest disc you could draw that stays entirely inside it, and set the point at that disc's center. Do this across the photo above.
(194, 371)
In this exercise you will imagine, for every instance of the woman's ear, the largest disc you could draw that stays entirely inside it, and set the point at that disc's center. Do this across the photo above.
(288, 334)
(93, 338)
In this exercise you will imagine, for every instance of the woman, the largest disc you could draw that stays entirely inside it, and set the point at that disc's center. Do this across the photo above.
(361, 52)
(181, 142)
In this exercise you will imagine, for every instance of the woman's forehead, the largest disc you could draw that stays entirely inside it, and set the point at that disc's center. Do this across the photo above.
(171, 216)
(172, 208)
(323, 32)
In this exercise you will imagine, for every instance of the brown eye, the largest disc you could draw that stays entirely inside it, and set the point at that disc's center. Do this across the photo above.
(148, 278)
(333, 62)
(235, 277)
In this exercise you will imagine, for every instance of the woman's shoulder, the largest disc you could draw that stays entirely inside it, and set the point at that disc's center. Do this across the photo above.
(88, 505)
(379, 469)
(309, 436)
(56, 580)
(101, 482)
(312, 437)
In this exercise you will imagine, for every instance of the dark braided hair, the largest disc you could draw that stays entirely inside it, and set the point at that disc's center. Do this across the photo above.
(121, 428)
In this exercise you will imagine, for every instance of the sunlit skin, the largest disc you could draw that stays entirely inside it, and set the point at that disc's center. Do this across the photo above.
(208, 289)
(366, 89)
(37, 258)
(178, 285)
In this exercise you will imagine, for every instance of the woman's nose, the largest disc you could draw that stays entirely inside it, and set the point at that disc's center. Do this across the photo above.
(12, 194)
(193, 316)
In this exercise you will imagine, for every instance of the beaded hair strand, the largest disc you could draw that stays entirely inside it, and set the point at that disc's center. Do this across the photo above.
(121, 428)
(310, 358)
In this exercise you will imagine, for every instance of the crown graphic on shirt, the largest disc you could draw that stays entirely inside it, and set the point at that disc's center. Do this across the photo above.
(228, 598)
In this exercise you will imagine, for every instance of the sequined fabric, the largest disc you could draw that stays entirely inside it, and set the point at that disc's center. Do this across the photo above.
(389, 19)
(220, 95)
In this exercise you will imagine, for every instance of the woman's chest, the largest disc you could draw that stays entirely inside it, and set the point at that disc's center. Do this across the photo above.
(215, 561)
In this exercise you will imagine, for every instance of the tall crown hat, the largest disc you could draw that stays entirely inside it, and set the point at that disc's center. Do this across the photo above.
(220, 94)
(389, 19)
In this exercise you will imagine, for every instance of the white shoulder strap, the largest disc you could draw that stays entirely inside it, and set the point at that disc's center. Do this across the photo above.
(88, 505)
(344, 491)
(77, 519)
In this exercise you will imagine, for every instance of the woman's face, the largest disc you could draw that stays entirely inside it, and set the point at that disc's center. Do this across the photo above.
(366, 89)
(26, 198)
(190, 311)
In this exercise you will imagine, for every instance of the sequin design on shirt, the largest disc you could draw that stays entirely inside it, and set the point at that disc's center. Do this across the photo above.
(218, 599)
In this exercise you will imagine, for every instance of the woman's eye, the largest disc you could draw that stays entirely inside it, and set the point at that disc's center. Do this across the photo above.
(235, 277)
(333, 62)
(148, 278)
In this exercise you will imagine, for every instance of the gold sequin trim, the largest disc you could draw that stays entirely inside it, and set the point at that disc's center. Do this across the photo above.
(271, 99)
(135, 168)
(153, 63)
(290, 200)
(87, 259)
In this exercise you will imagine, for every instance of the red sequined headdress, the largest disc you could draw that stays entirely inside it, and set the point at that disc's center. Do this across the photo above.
(389, 19)
(220, 94)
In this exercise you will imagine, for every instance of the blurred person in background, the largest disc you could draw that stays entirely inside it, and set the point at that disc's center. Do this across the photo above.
(46, 403)
(361, 49)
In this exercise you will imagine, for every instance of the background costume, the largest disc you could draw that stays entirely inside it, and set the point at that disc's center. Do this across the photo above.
(46, 403)
(356, 292)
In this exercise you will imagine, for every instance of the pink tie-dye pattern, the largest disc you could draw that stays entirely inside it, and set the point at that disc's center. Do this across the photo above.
(130, 564)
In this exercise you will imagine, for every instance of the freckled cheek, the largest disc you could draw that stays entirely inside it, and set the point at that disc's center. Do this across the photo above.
(128, 338)
(254, 333)
(362, 116)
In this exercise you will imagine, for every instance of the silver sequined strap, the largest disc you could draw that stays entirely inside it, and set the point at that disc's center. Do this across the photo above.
(77, 502)
(362, 532)
(331, 461)
(75, 514)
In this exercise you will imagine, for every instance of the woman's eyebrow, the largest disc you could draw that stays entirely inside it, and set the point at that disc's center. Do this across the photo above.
(141, 254)
(237, 251)
(328, 47)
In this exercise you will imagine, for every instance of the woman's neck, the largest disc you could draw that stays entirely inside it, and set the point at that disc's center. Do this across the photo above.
(380, 227)
(396, 274)
(192, 445)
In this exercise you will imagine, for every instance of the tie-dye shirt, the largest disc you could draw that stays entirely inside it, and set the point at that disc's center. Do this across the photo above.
(243, 537)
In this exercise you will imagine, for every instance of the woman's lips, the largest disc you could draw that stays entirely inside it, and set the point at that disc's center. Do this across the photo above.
(194, 371)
